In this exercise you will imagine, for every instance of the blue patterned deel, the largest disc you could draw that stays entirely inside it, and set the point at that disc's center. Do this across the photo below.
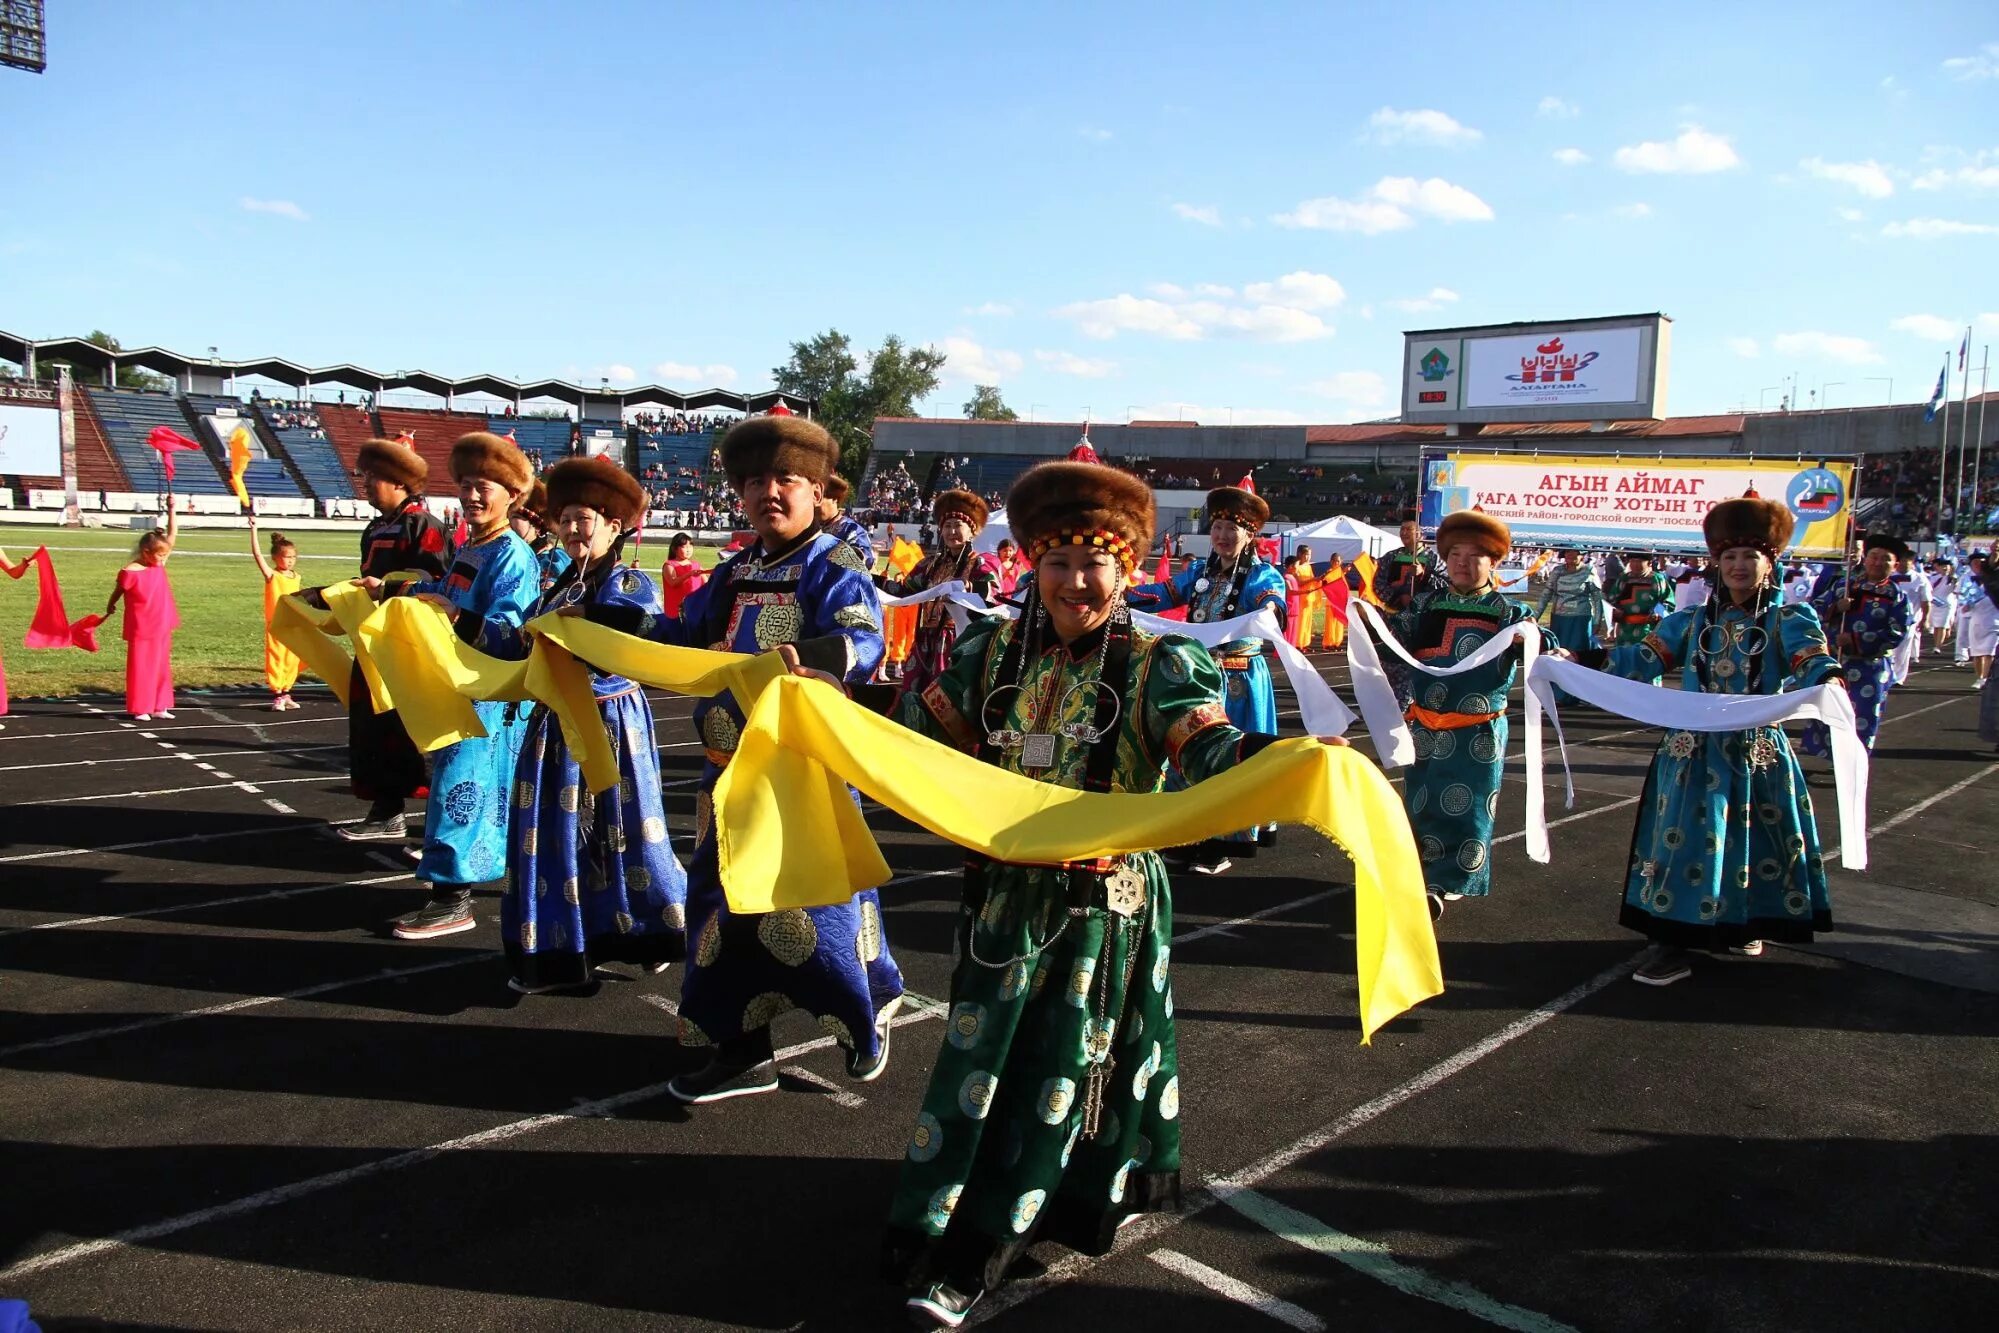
(492, 583)
(832, 962)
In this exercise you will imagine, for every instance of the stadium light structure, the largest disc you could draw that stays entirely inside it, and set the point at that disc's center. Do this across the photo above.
(23, 36)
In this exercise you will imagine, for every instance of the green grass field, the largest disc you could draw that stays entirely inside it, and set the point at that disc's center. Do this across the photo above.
(215, 582)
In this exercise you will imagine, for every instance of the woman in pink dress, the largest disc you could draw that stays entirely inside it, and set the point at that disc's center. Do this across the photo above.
(680, 575)
(150, 620)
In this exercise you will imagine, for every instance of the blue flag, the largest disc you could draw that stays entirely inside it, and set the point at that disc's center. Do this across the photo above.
(1930, 413)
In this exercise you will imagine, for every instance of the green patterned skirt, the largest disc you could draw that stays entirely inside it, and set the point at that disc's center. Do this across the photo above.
(1011, 1146)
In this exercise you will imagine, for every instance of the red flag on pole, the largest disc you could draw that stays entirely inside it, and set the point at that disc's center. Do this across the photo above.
(1248, 483)
(169, 442)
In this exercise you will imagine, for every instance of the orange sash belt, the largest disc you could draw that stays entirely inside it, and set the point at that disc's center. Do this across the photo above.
(1446, 721)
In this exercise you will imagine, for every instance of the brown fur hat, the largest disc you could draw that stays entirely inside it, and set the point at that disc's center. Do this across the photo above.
(1748, 521)
(965, 504)
(779, 444)
(397, 464)
(838, 488)
(1481, 529)
(1053, 502)
(491, 458)
(1232, 502)
(599, 484)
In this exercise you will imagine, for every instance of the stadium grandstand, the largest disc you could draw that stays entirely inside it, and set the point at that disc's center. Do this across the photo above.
(307, 424)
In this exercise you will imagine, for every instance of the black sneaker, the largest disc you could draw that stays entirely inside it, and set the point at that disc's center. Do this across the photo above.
(1211, 867)
(392, 829)
(867, 1071)
(1436, 906)
(439, 916)
(940, 1306)
(717, 1082)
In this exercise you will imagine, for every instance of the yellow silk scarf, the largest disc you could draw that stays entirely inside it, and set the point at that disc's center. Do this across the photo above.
(788, 836)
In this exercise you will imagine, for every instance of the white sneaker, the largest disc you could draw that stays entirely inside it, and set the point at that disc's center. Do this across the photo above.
(1454, 897)
(1752, 949)
(1211, 868)
(142, 717)
(164, 714)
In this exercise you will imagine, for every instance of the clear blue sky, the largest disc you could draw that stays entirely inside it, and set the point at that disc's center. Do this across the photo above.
(1158, 208)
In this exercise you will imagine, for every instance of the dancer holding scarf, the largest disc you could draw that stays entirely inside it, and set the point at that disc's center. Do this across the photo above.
(960, 516)
(1301, 590)
(1458, 722)
(1233, 581)
(386, 769)
(280, 575)
(1869, 618)
(1053, 1108)
(1641, 601)
(802, 586)
(1404, 573)
(1577, 600)
(1915, 590)
(151, 616)
(594, 878)
(1977, 618)
(492, 582)
(1943, 601)
(1726, 852)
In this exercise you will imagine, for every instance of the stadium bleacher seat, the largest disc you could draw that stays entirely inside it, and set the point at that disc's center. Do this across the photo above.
(128, 417)
(312, 454)
(546, 436)
(434, 432)
(267, 475)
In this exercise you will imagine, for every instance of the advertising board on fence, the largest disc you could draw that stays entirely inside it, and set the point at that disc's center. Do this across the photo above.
(1641, 503)
(30, 440)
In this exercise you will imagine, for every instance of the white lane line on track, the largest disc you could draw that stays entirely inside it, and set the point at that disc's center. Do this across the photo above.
(1920, 806)
(1248, 1177)
(835, 1094)
(154, 758)
(1223, 1285)
(182, 840)
(250, 1002)
(193, 726)
(1378, 1262)
(262, 895)
(916, 1009)
(601, 1108)
(279, 806)
(231, 781)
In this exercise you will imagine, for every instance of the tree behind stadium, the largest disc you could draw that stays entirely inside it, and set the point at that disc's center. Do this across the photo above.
(824, 368)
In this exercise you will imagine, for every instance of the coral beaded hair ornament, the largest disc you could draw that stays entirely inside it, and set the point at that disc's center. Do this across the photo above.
(1081, 505)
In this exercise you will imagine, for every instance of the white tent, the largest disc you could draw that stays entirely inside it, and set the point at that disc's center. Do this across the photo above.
(994, 532)
(1348, 537)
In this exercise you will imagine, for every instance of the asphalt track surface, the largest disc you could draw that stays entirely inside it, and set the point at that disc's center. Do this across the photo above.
(226, 1101)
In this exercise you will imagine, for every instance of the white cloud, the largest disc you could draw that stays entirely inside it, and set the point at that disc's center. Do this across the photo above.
(967, 361)
(1930, 328)
(1216, 416)
(1094, 133)
(1983, 65)
(1429, 127)
(283, 208)
(1981, 173)
(1206, 214)
(1438, 298)
(1557, 109)
(1849, 215)
(1281, 311)
(994, 308)
(1300, 290)
(1693, 152)
(1068, 363)
(678, 372)
(1361, 391)
(1633, 211)
(1571, 157)
(1931, 229)
(619, 374)
(1392, 203)
(1128, 314)
(1869, 177)
(1846, 350)
(1745, 347)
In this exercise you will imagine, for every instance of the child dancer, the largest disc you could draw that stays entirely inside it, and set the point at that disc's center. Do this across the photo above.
(280, 573)
(681, 576)
(493, 580)
(594, 878)
(150, 620)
